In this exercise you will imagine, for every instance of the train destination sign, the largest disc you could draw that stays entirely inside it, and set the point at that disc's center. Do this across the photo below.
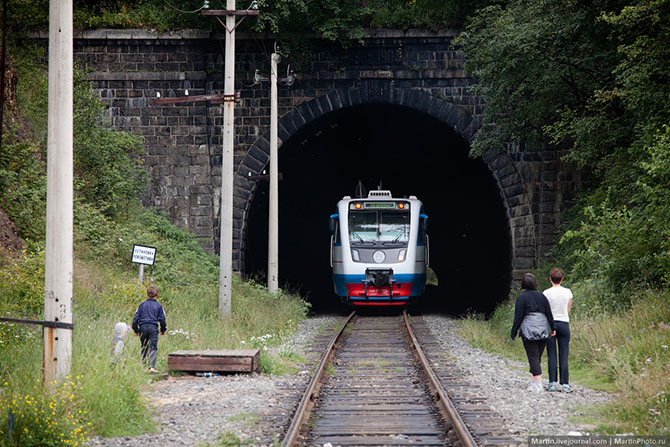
(387, 205)
(143, 255)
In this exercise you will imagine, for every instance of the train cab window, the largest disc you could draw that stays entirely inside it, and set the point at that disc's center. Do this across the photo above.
(335, 228)
(336, 232)
(423, 229)
(371, 227)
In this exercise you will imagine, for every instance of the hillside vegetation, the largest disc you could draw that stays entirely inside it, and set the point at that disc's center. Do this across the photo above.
(102, 396)
(592, 78)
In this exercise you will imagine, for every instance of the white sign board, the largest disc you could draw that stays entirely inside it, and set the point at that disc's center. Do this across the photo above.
(143, 255)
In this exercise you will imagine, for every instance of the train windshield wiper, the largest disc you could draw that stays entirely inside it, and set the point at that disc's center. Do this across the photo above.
(359, 240)
(396, 240)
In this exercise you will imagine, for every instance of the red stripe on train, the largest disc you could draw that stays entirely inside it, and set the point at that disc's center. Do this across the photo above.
(399, 290)
(373, 303)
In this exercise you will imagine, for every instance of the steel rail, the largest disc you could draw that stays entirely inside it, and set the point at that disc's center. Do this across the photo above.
(311, 392)
(442, 400)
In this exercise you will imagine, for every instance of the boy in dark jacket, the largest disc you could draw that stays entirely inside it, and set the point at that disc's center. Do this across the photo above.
(148, 317)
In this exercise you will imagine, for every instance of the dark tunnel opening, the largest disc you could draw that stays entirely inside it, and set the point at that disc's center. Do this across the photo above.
(409, 153)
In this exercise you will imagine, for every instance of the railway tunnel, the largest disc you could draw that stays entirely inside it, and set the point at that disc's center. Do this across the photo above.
(405, 151)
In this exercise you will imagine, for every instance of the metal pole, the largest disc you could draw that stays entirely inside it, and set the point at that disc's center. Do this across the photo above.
(57, 354)
(273, 221)
(226, 245)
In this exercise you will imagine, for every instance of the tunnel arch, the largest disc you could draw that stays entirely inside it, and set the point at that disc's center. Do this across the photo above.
(508, 180)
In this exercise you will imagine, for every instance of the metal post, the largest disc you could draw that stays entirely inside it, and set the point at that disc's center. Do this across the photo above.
(226, 245)
(57, 354)
(273, 221)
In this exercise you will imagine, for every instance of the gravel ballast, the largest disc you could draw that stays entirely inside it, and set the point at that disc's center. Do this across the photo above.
(256, 408)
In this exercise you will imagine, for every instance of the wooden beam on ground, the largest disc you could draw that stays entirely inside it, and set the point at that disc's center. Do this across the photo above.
(227, 360)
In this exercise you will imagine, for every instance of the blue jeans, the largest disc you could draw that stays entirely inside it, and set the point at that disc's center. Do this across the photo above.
(563, 338)
(149, 340)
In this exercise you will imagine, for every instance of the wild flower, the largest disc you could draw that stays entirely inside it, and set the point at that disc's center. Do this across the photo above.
(262, 341)
(36, 418)
(180, 331)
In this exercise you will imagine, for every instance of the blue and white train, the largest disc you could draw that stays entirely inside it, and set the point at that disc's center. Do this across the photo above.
(379, 249)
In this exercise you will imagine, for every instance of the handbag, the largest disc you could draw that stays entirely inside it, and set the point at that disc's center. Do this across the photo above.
(535, 326)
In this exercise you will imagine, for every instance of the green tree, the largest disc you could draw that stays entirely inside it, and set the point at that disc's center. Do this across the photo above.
(592, 77)
(538, 64)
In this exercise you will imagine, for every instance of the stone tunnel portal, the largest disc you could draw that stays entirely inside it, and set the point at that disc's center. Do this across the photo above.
(409, 153)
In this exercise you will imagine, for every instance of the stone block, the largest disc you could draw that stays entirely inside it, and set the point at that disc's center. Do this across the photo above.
(524, 252)
(523, 263)
(513, 190)
(201, 179)
(203, 222)
(198, 169)
(201, 149)
(202, 159)
(183, 140)
(201, 211)
(203, 232)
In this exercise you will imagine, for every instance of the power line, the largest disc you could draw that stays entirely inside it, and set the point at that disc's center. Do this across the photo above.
(205, 5)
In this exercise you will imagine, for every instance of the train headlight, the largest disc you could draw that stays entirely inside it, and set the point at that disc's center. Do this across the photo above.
(401, 255)
(379, 256)
(355, 255)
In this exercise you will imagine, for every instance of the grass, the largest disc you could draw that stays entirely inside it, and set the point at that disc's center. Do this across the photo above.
(107, 396)
(230, 439)
(624, 351)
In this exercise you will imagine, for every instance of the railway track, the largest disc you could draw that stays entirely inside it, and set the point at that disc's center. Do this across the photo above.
(375, 386)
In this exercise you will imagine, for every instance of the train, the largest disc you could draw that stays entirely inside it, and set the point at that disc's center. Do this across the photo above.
(379, 249)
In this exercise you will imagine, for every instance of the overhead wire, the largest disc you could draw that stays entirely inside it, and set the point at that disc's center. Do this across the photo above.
(205, 4)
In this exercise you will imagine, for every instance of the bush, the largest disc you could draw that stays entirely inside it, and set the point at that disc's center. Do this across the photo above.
(23, 188)
(39, 419)
(624, 248)
(107, 169)
(21, 296)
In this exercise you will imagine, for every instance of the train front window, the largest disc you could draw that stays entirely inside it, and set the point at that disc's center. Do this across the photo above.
(385, 227)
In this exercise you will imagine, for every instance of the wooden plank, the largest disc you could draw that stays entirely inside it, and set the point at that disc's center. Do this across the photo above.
(212, 368)
(212, 360)
(217, 353)
(228, 360)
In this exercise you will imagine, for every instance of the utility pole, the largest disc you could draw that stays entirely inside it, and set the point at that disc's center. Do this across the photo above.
(57, 354)
(227, 173)
(273, 221)
(229, 98)
(226, 242)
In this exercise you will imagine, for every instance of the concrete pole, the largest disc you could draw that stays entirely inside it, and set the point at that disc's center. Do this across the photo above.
(226, 245)
(57, 354)
(273, 221)
(140, 275)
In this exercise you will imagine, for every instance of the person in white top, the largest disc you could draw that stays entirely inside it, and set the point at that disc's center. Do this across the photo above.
(560, 299)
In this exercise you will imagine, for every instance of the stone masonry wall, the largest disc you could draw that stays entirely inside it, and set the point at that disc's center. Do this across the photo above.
(183, 142)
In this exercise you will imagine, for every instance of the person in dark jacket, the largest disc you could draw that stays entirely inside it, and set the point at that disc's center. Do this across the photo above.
(532, 301)
(148, 317)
